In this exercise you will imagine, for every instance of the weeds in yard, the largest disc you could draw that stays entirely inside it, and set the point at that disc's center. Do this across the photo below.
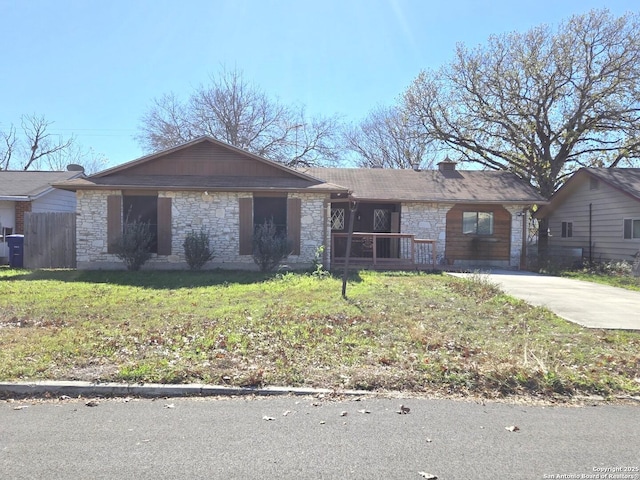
(417, 332)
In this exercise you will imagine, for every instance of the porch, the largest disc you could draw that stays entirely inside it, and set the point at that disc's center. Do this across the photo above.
(384, 251)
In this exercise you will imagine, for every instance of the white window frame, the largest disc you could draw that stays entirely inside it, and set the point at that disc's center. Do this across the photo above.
(629, 226)
(472, 221)
(381, 220)
(337, 218)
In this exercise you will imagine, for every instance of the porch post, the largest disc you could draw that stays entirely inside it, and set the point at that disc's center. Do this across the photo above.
(353, 206)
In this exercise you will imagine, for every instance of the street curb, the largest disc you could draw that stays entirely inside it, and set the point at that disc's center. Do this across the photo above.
(152, 390)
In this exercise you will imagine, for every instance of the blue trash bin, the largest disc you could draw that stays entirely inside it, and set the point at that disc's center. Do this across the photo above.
(16, 250)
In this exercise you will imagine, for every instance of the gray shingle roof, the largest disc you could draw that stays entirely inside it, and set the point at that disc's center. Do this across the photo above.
(472, 186)
(30, 183)
(624, 179)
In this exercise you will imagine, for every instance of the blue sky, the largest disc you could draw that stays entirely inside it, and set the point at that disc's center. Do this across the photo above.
(93, 67)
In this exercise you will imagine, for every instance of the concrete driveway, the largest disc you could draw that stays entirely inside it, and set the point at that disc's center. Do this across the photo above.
(588, 304)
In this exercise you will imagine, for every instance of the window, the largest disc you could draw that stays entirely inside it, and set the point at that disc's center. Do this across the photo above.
(477, 223)
(4, 233)
(567, 229)
(631, 228)
(286, 214)
(147, 208)
(142, 208)
(337, 219)
(381, 220)
(270, 208)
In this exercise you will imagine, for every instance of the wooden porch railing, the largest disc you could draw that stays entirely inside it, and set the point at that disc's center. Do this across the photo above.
(384, 250)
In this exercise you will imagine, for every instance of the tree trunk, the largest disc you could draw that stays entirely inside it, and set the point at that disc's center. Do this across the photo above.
(543, 242)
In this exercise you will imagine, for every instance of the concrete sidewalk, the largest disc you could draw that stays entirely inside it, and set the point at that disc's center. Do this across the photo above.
(588, 304)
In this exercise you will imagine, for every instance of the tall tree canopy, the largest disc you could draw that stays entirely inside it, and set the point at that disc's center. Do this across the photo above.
(540, 103)
(232, 110)
(386, 139)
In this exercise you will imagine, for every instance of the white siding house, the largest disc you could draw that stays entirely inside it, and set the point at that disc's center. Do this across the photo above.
(597, 211)
(30, 191)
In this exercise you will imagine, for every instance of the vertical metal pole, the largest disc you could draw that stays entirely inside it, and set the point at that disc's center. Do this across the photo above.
(353, 206)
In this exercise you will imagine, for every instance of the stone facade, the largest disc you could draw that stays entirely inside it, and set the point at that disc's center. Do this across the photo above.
(427, 221)
(216, 213)
(517, 218)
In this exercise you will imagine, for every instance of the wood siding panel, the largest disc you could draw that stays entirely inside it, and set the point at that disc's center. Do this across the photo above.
(164, 226)
(246, 225)
(478, 247)
(114, 220)
(609, 208)
(55, 201)
(206, 159)
(294, 211)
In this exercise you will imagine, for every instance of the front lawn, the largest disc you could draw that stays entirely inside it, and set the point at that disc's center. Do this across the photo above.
(622, 281)
(397, 331)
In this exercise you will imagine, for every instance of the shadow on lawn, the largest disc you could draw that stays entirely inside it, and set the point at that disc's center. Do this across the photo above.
(157, 279)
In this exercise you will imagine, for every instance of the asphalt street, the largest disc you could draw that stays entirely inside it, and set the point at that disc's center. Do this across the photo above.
(311, 438)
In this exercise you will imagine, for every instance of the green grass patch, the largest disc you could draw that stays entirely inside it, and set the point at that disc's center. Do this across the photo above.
(395, 331)
(622, 281)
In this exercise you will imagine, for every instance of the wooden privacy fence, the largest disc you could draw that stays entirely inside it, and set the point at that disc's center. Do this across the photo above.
(50, 240)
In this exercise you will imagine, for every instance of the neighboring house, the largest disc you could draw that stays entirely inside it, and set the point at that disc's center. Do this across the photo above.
(596, 213)
(30, 191)
(471, 217)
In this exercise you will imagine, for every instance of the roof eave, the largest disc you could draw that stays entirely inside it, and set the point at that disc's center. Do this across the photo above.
(15, 198)
(452, 200)
(174, 188)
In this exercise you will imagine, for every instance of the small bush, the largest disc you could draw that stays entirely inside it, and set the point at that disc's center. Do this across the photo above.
(318, 267)
(134, 246)
(617, 268)
(269, 246)
(197, 249)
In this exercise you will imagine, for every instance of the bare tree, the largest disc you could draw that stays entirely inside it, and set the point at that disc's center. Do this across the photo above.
(540, 103)
(34, 147)
(90, 160)
(234, 111)
(165, 124)
(387, 139)
(40, 142)
(9, 144)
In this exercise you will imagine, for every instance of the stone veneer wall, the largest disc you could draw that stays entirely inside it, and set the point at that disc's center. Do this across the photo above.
(430, 220)
(217, 213)
(517, 213)
(91, 230)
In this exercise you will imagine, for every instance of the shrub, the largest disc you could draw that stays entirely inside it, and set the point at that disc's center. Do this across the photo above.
(616, 268)
(269, 246)
(318, 267)
(134, 246)
(197, 249)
